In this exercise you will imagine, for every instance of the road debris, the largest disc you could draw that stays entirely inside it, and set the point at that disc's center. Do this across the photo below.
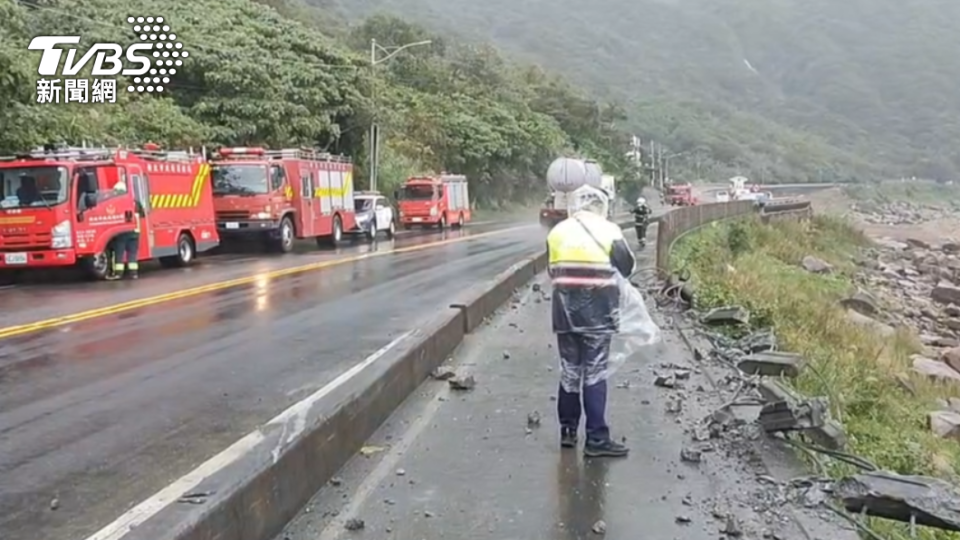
(354, 524)
(600, 527)
(463, 383)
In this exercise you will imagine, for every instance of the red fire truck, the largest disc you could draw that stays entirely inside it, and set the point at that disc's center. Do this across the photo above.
(279, 195)
(429, 201)
(59, 207)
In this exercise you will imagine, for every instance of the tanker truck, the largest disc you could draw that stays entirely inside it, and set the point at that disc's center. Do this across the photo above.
(563, 177)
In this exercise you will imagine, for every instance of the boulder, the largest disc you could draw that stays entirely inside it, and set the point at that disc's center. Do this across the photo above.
(815, 265)
(951, 357)
(935, 370)
(862, 302)
(945, 424)
(946, 294)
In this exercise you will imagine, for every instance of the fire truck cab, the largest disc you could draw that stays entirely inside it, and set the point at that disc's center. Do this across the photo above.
(429, 201)
(280, 195)
(61, 207)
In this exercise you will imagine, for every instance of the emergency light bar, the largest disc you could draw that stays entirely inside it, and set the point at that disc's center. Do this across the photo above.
(242, 151)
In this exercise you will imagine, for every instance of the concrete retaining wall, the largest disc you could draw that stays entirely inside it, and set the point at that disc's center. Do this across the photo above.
(676, 223)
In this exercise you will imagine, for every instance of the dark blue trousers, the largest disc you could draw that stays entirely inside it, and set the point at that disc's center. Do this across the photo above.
(583, 359)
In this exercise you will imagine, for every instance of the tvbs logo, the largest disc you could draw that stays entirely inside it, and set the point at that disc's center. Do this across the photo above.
(151, 61)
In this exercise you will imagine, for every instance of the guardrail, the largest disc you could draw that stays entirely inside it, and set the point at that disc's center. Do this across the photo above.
(676, 223)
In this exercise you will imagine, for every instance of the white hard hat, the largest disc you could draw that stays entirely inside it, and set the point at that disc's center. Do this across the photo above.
(589, 199)
(641, 201)
(120, 187)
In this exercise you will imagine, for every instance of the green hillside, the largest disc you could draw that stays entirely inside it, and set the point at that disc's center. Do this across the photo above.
(282, 74)
(783, 89)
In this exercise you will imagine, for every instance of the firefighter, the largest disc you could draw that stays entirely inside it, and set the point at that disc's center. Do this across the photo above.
(586, 252)
(641, 220)
(126, 246)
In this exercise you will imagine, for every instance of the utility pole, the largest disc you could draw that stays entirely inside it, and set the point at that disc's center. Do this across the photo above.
(653, 167)
(374, 142)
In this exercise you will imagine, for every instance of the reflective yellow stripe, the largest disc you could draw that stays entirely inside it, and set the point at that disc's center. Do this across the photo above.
(197, 189)
(342, 191)
(584, 281)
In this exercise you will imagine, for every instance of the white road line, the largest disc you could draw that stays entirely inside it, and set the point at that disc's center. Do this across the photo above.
(297, 413)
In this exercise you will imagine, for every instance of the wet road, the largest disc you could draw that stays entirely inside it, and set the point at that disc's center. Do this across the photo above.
(102, 413)
(61, 294)
(469, 466)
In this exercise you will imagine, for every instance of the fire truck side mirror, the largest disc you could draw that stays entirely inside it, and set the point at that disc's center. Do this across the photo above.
(396, 195)
(90, 200)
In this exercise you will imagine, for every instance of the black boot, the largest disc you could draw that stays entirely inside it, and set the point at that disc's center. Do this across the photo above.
(568, 438)
(607, 448)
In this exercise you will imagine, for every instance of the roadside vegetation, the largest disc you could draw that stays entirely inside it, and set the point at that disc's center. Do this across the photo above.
(281, 73)
(758, 266)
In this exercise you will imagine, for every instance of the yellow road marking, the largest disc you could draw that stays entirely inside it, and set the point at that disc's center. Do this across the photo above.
(22, 329)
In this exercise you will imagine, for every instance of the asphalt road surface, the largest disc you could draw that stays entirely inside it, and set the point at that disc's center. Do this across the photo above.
(473, 466)
(99, 412)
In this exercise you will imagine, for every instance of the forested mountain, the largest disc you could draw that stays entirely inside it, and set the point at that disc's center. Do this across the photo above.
(786, 89)
(281, 73)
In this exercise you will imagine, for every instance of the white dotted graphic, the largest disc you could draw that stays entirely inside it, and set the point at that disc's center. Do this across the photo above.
(165, 45)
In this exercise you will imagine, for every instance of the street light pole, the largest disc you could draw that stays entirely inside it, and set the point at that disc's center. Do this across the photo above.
(374, 143)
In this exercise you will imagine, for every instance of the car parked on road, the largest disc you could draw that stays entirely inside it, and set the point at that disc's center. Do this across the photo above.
(374, 215)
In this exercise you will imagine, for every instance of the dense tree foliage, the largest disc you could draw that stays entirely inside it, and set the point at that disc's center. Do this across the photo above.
(281, 73)
(787, 89)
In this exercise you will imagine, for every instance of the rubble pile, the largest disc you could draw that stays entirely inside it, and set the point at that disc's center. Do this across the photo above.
(897, 213)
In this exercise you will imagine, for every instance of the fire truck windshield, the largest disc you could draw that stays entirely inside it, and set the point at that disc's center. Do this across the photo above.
(27, 187)
(417, 193)
(240, 179)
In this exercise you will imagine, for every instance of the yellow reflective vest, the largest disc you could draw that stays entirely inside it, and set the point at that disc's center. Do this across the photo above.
(586, 294)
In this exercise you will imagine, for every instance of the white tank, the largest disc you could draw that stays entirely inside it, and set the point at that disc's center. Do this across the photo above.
(594, 173)
(567, 174)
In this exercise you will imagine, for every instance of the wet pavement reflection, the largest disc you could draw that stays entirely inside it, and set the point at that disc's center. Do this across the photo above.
(581, 495)
(47, 295)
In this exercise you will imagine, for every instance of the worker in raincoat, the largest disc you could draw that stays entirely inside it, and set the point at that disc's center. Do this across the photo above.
(641, 219)
(586, 252)
(126, 246)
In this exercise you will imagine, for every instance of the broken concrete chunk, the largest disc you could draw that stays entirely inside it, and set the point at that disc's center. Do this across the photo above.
(463, 383)
(933, 502)
(830, 435)
(772, 364)
(354, 524)
(691, 455)
(726, 315)
(774, 390)
(665, 381)
(758, 342)
(533, 419)
(599, 527)
(732, 527)
(442, 374)
(793, 415)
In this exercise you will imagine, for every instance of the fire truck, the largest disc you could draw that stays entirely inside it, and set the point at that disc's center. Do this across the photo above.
(60, 206)
(434, 201)
(681, 195)
(280, 195)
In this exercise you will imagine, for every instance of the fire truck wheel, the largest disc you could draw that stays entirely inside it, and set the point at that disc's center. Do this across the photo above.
(186, 252)
(336, 237)
(96, 267)
(285, 241)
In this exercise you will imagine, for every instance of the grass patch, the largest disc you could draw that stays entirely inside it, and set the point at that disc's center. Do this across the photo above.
(746, 263)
